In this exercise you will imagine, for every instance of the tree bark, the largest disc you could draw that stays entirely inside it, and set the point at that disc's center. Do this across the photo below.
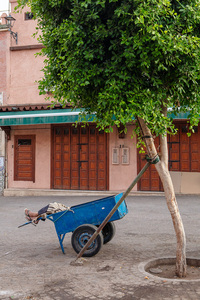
(163, 171)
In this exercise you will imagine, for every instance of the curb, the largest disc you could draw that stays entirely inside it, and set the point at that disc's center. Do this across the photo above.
(45, 192)
(150, 263)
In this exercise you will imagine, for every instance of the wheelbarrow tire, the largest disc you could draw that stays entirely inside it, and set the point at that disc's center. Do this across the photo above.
(108, 232)
(81, 236)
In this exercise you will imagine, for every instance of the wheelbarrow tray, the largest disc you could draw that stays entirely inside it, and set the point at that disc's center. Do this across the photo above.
(93, 212)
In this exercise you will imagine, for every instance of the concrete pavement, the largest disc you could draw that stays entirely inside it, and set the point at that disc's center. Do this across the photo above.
(32, 265)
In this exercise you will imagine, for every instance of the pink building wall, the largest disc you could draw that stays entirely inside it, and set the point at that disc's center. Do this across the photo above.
(25, 71)
(25, 67)
(4, 62)
(121, 176)
(24, 28)
(20, 85)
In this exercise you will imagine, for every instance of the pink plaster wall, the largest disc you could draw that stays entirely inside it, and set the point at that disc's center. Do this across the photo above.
(24, 28)
(4, 62)
(24, 72)
(120, 176)
(24, 68)
(42, 156)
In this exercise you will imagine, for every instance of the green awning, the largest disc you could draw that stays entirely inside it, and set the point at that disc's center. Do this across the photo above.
(40, 117)
(55, 116)
(178, 116)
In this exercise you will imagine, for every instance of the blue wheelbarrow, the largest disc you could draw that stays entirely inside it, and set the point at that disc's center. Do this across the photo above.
(83, 219)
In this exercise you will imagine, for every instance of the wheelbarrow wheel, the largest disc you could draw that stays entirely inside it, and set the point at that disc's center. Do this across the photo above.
(81, 236)
(108, 232)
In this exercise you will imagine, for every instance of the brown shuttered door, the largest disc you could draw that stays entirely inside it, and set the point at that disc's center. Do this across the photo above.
(195, 150)
(189, 149)
(185, 148)
(24, 167)
(79, 158)
(174, 151)
(184, 153)
(150, 180)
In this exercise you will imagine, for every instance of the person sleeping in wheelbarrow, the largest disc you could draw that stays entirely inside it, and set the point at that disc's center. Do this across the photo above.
(49, 209)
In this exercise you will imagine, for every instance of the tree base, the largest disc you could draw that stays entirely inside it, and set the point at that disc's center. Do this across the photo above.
(165, 268)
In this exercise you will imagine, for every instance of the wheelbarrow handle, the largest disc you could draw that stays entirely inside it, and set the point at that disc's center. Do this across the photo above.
(29, 222)
(25, 224)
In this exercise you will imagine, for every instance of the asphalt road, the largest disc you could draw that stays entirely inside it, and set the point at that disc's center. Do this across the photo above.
(32, 265)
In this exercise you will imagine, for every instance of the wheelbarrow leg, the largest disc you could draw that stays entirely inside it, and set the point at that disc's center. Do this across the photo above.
(61, 238)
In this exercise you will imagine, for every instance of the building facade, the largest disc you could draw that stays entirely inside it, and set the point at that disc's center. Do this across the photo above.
(42, 148)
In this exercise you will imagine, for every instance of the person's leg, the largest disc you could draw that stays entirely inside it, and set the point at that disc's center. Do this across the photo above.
(30, 214)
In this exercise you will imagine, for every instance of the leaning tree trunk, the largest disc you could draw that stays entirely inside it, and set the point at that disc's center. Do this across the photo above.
(162, 168)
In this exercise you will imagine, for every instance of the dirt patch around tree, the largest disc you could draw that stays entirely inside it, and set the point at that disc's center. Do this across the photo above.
(168, 271)
(165, 268)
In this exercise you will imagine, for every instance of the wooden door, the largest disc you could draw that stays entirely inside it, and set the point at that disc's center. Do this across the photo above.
(189, 149)
(24, 166)
(150, 180)
(84, 158)
(195, 150)
(74, 165)
(184, 153)
(174, 150)
(79, 158)
(185, 148)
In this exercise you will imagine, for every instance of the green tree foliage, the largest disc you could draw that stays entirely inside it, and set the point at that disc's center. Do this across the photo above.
(122, 59)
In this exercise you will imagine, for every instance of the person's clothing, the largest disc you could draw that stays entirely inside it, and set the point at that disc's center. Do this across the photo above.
(51, 208)
(56, 207)
(43, 210)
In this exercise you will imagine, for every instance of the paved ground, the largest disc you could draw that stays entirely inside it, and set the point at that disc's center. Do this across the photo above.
(32, 265)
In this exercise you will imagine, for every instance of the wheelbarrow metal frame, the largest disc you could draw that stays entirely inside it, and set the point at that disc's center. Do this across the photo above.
(93, 212)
